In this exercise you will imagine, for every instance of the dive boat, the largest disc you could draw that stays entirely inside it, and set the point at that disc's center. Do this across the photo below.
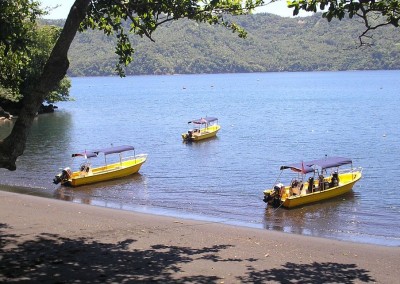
(88, 174)
(203, 128)
(312, 182)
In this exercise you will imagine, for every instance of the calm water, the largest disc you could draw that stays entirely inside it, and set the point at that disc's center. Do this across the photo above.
(267, 119)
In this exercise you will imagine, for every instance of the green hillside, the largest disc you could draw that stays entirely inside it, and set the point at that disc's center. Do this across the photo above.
(273, 44)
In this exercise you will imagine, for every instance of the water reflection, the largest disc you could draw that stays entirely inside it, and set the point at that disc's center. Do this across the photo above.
(314, 219)
(47, 141)
(124, 190)
(200, 143)
(5, 128)
(68, 194)
(224, 177)
(26, 190)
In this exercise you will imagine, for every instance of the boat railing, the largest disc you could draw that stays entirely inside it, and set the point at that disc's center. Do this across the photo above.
(350, 170)
(140, 156)
(113, 167)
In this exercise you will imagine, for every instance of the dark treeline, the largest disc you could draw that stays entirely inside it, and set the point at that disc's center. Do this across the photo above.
(273, 44)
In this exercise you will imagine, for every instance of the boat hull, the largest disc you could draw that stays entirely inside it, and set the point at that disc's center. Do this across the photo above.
(108, 172)
(204, 133)
(347, 181)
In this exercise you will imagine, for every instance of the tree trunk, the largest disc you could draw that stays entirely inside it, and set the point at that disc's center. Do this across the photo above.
(55, 69)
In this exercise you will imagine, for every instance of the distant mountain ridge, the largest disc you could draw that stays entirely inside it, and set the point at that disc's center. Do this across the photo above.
(273, 44)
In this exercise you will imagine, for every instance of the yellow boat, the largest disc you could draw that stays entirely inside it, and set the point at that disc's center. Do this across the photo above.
(204, 128)
(87, 175)
(313, 183)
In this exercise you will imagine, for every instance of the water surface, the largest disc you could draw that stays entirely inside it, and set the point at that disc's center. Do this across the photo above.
(267, 119)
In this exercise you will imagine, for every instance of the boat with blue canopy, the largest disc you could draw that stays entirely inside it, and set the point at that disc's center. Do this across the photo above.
(203, 128)
(87, 174)
(313, 181)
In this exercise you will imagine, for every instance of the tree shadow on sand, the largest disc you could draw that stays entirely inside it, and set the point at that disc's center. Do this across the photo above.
(49, 258)
(326, 272)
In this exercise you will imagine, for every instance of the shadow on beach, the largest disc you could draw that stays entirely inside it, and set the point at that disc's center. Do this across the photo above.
(328, 272)
(49, 258)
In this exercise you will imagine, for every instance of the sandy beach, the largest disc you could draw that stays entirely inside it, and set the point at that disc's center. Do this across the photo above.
(51, 241)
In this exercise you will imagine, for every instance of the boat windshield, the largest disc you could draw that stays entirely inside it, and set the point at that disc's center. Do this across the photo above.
(85, 154)
(116, 149)
(203, 120)
(106, 151)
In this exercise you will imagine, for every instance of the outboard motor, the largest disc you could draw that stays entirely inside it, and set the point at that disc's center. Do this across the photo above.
(276, 201)
(271, 195)
(188, 136)
(63, 176)
(57, 179)
(267, 198)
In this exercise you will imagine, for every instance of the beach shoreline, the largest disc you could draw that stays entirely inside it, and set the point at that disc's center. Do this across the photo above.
(48, 240)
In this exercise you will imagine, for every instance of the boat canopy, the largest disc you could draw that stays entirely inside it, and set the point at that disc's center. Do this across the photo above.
(203, 120)
(325, 163)
(331, 162)
(106, 151)
(113, 150)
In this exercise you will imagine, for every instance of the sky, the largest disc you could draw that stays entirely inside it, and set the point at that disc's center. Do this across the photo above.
(278, 8)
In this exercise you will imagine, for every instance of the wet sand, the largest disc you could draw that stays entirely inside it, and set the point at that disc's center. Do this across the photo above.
(53, 241)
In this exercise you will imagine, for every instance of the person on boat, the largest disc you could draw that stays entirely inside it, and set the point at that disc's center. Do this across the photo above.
(335, 179)
(321, 183)
(302, 189)
(85, 169)
(310, 185)
(295, 187)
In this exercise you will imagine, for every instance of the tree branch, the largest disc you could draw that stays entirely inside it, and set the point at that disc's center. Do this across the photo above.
(55, 69)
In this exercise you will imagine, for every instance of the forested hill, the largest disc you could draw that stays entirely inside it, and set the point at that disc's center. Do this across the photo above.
(273, 44)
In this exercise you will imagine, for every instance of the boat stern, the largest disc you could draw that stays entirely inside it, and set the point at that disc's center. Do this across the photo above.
(187, 136)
